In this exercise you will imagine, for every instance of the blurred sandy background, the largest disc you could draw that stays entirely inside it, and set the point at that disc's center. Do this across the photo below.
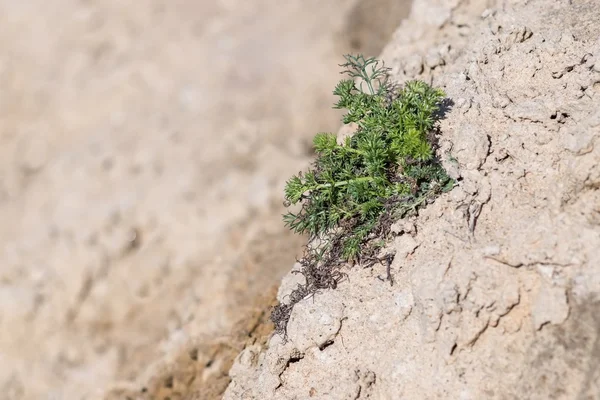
(143, 151)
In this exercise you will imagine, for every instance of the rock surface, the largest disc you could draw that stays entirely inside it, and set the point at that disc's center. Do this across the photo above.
(497, 284)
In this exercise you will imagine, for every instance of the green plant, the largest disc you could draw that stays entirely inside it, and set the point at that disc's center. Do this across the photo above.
(356, 189)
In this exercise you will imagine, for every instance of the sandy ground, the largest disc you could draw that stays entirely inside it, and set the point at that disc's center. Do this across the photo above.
(142, 154)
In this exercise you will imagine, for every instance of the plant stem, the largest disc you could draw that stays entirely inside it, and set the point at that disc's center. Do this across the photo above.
(343, 183)
(368, 80)
(351, 150)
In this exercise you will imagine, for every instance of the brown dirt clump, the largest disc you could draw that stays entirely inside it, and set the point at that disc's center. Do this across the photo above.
(200, 369)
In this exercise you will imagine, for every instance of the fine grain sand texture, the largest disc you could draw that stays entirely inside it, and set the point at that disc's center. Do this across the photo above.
(143, 151)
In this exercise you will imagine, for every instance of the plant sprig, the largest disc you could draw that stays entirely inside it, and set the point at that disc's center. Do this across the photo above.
(384, 171)
(388, 156)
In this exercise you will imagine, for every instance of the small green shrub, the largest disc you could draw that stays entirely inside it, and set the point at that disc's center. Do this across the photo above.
(355, 190)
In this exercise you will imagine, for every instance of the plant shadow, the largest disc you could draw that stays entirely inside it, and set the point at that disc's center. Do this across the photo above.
(445, 107)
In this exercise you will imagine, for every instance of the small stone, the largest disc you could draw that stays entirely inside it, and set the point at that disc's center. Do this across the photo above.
(464, 30)
(491, 250)
(461, 102)
(404, 246)
(488, 13)
(494, 27)
(519, 35)
(500, 101)
(414, 66)
(444, 50)
(589, 60)
(315, 322)
(501, 154)
(567, 39)
(248, 356)
(403, 226)
(405, 302)
(433, 59)
(473, 70)
(473, 152)
(550, 306)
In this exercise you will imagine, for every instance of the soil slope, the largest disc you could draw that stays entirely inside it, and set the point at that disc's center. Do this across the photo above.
(497, 284)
